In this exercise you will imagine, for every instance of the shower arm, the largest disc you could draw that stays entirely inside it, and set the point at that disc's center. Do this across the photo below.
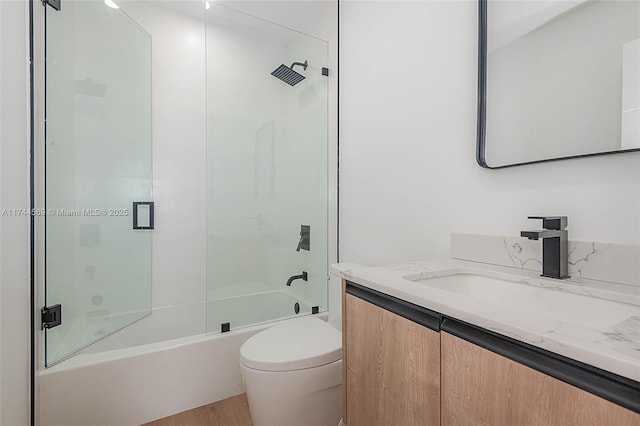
(303, 65)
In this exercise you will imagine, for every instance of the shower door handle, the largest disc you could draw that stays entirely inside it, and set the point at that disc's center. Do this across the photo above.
(143, 215)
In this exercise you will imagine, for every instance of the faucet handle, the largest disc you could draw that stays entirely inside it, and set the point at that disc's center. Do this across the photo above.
(552, 222)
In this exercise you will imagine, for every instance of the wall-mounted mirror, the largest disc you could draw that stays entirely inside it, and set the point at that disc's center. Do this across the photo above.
(557, 79)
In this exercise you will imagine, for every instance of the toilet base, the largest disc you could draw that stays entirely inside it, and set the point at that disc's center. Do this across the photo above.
(310, 397)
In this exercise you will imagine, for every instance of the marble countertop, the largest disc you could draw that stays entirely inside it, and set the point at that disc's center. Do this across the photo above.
(608, 338)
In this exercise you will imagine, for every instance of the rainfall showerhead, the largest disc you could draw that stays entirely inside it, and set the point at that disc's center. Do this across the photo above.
(288, 75)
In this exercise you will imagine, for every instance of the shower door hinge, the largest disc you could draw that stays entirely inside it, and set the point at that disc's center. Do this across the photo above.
(51, 316)
(53, 3)
(325, 71)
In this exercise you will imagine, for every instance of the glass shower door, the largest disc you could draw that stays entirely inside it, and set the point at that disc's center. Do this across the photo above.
(266, 171)
(98, 164)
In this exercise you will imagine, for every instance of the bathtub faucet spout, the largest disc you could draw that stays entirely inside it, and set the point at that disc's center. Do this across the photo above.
(302, 276)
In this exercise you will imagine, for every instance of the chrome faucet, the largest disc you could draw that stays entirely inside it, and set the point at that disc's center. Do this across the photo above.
(555, 245)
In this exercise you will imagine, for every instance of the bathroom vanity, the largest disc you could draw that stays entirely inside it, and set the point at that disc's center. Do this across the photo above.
(452, 342)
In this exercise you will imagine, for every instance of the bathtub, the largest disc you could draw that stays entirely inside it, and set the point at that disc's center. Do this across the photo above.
(148, 371)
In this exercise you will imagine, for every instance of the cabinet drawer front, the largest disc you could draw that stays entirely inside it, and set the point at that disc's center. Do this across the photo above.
(392, 368)
(604, 384)
(480, 387)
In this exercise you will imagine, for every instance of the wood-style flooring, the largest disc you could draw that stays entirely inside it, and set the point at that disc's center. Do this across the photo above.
(232, 411)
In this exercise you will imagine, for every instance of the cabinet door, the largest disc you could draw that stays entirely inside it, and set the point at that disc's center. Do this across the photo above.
(392, 368)
(480, 387)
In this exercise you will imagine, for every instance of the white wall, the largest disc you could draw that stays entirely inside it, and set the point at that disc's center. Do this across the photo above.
(14, 231)
(408, 176)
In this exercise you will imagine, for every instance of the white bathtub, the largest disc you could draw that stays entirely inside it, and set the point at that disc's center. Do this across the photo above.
(145, 372)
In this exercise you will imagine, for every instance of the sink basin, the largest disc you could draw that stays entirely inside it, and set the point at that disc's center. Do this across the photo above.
(552, 302)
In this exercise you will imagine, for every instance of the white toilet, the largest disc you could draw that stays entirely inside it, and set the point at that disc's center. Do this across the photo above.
(293, 374)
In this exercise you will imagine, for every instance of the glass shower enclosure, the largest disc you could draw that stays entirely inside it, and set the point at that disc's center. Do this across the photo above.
(266, 161)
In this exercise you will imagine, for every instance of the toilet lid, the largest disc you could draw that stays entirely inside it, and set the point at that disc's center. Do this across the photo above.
(302, 343)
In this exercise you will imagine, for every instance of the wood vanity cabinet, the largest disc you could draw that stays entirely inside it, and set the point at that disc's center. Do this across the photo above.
(480, 387)
(405, 365)
(391, 367)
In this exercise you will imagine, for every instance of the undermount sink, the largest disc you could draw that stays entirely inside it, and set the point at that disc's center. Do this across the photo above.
(528, 295)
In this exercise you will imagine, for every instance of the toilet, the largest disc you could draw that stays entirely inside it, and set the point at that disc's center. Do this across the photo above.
(293, 374)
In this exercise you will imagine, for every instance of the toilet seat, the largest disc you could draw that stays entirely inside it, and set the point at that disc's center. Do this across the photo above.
(300, 344)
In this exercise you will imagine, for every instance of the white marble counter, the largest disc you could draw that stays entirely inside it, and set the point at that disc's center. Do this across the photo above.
(609, 339)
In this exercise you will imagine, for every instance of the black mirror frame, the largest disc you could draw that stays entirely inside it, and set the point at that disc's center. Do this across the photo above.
(482, 102)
